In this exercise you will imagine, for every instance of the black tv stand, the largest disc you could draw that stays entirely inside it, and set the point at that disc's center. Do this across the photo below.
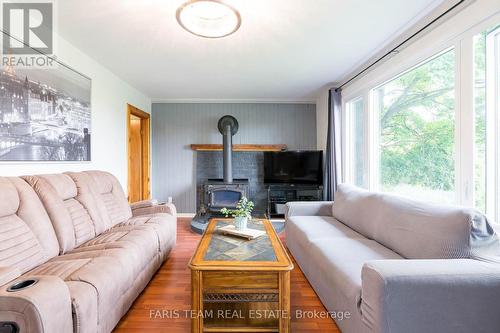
(279, 194)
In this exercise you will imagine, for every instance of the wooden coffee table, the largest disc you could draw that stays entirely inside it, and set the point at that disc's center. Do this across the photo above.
(240, 285)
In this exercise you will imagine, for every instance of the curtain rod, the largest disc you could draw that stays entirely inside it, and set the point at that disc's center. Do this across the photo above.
(395, 49)
(53, 57)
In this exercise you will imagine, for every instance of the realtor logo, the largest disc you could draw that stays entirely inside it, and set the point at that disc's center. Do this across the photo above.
(27, 26)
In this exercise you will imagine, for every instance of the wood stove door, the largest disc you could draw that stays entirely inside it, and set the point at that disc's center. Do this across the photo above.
(221, 198)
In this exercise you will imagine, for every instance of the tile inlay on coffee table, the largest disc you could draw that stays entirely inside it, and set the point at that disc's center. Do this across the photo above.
(227, 247)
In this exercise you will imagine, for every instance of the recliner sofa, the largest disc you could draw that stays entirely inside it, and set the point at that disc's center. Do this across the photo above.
(382, 263)
(90, 253)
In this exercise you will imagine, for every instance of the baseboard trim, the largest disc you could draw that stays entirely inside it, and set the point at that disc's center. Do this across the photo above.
(186, 215)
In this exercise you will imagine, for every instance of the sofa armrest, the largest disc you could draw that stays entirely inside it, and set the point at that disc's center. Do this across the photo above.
(144, 204)
(144, 209)
(308, 208)
(44, 307)
(8, 274)
(460, 295)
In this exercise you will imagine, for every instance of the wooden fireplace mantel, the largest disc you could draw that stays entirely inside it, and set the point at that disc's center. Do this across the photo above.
(236, 147)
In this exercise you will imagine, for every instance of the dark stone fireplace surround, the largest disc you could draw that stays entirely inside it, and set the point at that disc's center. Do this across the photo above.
(246, 165)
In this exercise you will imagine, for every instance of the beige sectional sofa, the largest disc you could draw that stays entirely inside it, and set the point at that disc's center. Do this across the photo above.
(89, 251)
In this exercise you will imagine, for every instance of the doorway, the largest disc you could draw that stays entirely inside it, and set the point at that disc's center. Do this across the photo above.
(138, 136)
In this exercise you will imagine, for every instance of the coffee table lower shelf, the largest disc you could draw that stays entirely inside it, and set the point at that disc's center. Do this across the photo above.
(229, 301)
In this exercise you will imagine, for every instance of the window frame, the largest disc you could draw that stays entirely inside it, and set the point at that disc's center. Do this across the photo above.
(349, 144)
(493, 126)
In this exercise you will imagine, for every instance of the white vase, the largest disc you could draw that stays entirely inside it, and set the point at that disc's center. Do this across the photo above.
(240, 222)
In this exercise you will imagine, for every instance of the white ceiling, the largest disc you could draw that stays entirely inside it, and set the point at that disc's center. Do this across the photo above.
(285, 50)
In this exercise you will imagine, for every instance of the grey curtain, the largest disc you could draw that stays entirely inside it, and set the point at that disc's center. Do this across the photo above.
(333, 162)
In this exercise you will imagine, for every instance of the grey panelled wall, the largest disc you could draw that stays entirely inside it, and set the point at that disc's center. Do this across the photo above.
(177, 125)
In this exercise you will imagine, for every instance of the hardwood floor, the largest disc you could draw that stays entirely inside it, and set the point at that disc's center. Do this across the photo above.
(163, 305)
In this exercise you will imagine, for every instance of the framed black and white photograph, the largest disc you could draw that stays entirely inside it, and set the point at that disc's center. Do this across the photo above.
(45, 114)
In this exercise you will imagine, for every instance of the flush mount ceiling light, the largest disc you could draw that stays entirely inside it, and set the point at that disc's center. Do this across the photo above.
(208, 18)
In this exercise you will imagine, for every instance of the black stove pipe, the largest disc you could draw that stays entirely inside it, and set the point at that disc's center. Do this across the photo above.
(227, 143)
(228, 126)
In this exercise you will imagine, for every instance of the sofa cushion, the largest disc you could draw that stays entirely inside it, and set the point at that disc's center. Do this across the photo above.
(405, 225)
(340, 261)
(27, 238)
(18, 245)
(89, 195)
(75, 221)
(140, 245)
(448, 232)
(9, 199)
(33, 213)
(110, 193)
(164, 226)
(108, 274)
(356, 208)
(312, 228)
(148, 236)
(62, 184)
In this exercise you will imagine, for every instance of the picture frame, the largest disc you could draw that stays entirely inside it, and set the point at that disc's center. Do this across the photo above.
(45, 113)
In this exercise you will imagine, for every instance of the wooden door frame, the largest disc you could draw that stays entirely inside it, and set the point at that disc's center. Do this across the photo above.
(146, 135)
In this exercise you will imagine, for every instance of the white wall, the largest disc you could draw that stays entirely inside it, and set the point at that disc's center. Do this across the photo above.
(110, 96)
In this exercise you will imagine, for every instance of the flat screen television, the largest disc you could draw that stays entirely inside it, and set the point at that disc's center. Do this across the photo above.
(293, 167)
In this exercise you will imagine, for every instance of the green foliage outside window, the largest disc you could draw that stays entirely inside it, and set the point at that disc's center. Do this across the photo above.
(416, 114)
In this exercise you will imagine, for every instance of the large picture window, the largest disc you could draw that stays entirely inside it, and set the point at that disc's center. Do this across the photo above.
(416, 121)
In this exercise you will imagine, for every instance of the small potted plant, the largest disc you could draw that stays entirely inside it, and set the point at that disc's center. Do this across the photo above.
(241, 214)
